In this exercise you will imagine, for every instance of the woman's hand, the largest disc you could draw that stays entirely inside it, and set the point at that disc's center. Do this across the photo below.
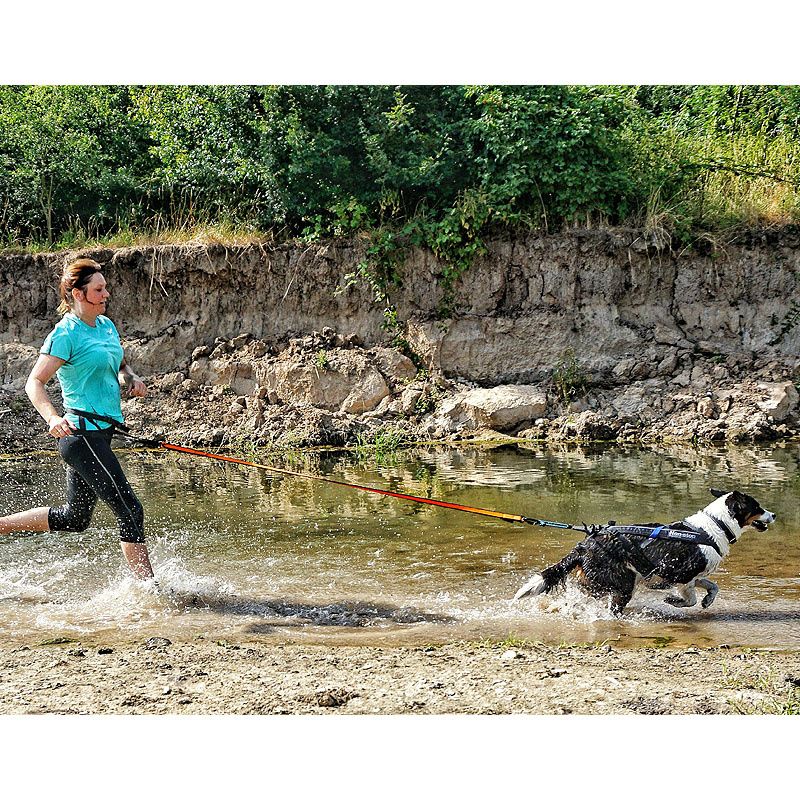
(60, 427)
(137, 389)
(127, 377)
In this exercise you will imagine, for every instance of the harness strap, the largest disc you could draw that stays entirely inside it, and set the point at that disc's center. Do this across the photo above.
(692, 536)
(92, 417)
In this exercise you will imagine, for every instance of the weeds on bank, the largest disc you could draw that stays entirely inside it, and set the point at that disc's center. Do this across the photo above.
(321, 360)
(512, 640)
(288, 451)
(777, 697)
(789, 321)
(239, 446)
(156, 230)
(569, 376)
(382, 444)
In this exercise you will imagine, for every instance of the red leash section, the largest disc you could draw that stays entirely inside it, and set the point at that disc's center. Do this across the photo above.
(486, 512)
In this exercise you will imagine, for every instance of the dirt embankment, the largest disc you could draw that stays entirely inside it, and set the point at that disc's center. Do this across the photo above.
(160, 677)
(587, 335)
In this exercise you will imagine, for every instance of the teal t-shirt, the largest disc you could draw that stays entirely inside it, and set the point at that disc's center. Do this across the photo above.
(89, 377)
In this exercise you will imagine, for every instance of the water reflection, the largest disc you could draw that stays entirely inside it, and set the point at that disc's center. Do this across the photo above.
(245, 552)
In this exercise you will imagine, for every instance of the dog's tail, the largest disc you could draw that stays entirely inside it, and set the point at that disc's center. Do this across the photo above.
(551, 577)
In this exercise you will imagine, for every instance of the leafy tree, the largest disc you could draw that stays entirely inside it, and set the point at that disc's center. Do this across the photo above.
(64, 150)
(432, 165)
(206, 146)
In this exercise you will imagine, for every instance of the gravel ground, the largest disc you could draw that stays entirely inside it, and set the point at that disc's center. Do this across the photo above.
(205, 677)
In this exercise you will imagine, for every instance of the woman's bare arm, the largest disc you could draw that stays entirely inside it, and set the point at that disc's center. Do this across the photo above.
(44, 369)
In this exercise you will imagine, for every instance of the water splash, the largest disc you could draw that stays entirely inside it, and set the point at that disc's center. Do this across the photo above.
(129, 604)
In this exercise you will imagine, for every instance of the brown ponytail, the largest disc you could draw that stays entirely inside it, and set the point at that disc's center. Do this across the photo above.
(75, 276)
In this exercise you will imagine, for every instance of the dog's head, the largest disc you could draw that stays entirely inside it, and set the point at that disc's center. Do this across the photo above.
(744, 509)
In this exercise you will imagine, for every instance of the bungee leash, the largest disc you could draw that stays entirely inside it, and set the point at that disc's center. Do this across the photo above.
(123, 430)
(694, 535)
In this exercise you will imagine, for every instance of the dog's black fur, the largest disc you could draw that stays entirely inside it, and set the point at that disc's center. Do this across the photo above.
(604, 566)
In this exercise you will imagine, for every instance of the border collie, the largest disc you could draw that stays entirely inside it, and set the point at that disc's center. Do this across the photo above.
(605, 567)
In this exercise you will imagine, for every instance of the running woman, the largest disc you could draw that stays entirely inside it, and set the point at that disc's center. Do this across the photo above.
(85, 350)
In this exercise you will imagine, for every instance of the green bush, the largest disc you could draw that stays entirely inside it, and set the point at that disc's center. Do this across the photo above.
(434, 166)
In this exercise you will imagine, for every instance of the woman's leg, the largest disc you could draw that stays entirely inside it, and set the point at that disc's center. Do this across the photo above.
(35, 519)
(92, 457)
(74, 515)
(138, 559)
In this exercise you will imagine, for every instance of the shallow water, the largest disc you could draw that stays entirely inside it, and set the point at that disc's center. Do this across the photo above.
(241, 554)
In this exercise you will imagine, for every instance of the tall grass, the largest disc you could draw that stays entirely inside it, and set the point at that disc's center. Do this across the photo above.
(722, 183)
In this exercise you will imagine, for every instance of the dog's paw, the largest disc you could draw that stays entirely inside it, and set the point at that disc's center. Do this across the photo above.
(708, 599)
(677, 601)
(533, 587)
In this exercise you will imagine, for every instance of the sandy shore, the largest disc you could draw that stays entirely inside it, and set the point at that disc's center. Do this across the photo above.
(206, 677)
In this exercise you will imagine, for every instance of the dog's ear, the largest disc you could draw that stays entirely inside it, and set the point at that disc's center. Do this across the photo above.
(717, 493)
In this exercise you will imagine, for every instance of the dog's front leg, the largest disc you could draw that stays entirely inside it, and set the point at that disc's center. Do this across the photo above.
(688, 596)
(711, 591)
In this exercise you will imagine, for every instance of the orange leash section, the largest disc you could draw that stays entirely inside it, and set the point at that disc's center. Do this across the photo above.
(486, 512)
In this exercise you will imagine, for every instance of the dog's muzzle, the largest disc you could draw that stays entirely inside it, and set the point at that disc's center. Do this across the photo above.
(765, 519)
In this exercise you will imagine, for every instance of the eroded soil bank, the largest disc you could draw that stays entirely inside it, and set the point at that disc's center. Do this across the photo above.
(585, 335)
(160, 677)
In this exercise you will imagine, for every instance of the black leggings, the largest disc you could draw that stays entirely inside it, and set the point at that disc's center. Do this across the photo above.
(93, 471)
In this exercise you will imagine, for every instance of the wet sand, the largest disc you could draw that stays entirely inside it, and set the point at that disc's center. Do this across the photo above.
(157, 676)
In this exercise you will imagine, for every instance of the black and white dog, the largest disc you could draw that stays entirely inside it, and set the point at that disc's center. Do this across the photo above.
(604, 566)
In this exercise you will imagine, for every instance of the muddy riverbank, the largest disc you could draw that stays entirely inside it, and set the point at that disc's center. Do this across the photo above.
(614, 335)
(156, 676)
(321, 391)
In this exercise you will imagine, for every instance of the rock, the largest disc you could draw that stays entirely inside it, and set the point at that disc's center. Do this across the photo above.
(236, 373)
(204, 350)
(456, 415)
(719, 374)
(683, 378)
(395, 367)
(706, 407)
(511, 655)
(698, 379)
(781, 399)
(664, 335)
(240, 341)
(155, 642)
(587, 426)
(579, 405)
(172, 381)
(252, 404)
(633, 400)
(624, 368)
(258, 349)
(668, 364)
(199, 371)
(409, 399)
(380, 410)
(16, 361)
(366, 394)
(349, 384)
(504, 407)
(332, 698)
